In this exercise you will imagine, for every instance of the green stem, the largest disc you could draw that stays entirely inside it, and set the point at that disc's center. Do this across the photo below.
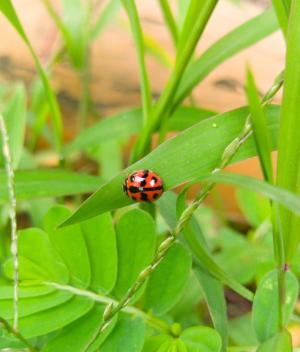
(156, 323)
(84, 107)
(16, 334)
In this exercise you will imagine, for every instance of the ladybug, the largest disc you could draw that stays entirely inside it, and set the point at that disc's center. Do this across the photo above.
(143, 186)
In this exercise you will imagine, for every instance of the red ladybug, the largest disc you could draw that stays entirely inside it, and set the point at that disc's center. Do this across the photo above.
(143, 186)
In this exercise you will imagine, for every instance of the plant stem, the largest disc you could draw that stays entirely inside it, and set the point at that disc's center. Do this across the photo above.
(156, 323)
(85, 100)
(12, 215)
(16, 334)
(170, 20)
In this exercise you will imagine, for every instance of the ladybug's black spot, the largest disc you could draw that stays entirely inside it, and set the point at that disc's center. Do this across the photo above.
(144, 196)
(154, 179)
(143, 183)
(146, 173)
(133, 189)
(155, 195)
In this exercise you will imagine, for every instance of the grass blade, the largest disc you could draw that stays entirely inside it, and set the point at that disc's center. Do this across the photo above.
(32, 184)
(240, 38)
(192, 153)
(277, 194)
(169, 19)
(282, 13)
(9, 12)
(139, 42)
(260, 128)
(288, 172)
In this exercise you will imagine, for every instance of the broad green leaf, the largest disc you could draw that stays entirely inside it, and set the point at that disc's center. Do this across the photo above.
(260, 128)
(7, 8)
(255, 208)
(276, 193)
(127, 336)
(32, 184)
(36, 248)
(241, 331)
(137, 32)
(70, 245)
(74, 337)
(136, 244)
(166, 284)
(235, 41)
(15, 119)
(278, 343)
(154, 343)
(288, 167)
(201, 339)
(55, 318)
(192, 153)
(7, 292)
(100, 239)
(265, 304)
(130, 122)
(215, 299)
(28, 306)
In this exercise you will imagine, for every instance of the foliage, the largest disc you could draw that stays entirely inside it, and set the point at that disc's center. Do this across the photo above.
(102, 273)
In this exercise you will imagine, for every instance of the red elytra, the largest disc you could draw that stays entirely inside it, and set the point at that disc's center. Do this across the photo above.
(143, 186)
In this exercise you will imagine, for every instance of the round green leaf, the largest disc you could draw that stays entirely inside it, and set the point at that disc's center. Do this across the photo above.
(136, 244)
(201, 339)
(265, 304)
(168, 281)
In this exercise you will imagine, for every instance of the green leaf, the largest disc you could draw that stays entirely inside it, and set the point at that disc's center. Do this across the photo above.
(288, 167)
(128, 123)
(265, 304)
(24, 292)
(194, 152)
(127, 336)
(69, 244)
(260, 128)
(215, 299)
(15, 119)
(277, 194)
(136, 244)
(55, 318)
(100, 239)
(241, 331)
(155, 343)
(278, 343)
(282, 13)
(74, 337)
(35, 247)
(255, 207)
(201, 339)
(166, 284)
(32, 184)
(6, 7)
(240, 38)
(31, 305)
(136, 28)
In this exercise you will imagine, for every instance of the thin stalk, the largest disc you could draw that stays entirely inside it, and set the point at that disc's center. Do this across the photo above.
(170, 20)
(156, 323)
(12, 215)
(16, 334)
(85, 100)
(229, 152)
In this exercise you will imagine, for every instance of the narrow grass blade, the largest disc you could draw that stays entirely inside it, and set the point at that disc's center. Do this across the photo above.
(194, 152)
(277, 194)
(260, 128)
(32, 184)
(235, 41)
(9, 12)
(282, 13)
(169, 19)
(288, 170)
(139, 42)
